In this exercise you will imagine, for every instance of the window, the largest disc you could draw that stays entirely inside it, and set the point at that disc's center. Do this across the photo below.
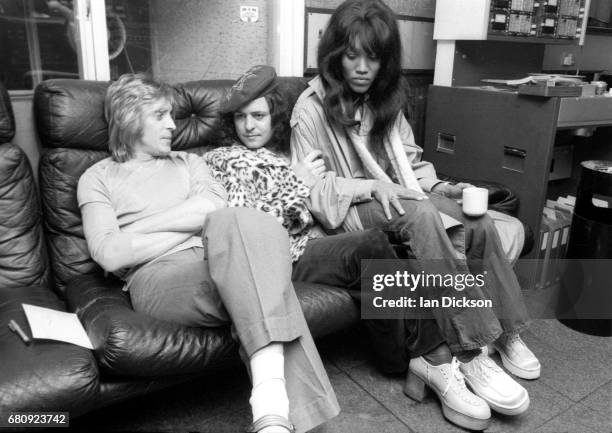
(35, 43)
(42, 39)
(173, 40)
(129, 36)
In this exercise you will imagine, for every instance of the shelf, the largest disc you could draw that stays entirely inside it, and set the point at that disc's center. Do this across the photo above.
(585, 111)
(533, 39)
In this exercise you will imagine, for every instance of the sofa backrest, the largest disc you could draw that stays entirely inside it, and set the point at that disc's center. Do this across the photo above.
(72, 129)
(22, 250)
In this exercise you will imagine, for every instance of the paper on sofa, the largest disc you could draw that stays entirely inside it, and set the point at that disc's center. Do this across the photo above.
(51, 324)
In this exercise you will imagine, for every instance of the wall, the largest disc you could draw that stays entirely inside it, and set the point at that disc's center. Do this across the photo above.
(25, 131)
(195, 39)
(421, 8)
(594, 55)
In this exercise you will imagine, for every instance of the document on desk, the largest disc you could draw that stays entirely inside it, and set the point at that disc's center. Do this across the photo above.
(554, 79)
(51, 324)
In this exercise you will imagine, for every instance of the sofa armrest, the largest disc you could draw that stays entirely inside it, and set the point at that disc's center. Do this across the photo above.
(327, 309)
(502, 199)
(131, 343)
(45, 375)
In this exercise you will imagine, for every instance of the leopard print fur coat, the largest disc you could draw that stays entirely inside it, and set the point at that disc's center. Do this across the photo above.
(259, 179)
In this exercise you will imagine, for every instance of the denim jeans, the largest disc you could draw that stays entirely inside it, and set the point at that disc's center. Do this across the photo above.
(336, 260)
(476, 250)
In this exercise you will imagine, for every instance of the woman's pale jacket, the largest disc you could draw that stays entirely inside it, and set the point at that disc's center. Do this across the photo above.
(346, 182)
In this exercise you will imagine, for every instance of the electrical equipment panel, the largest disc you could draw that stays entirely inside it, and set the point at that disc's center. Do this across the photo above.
(539, 21)
(548, 19)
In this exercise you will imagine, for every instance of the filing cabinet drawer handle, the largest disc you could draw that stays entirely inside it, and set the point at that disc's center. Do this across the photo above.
(515, 151)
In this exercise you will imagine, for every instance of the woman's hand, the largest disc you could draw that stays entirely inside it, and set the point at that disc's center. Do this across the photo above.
(310, 169)
(451, 191)
(391, 193)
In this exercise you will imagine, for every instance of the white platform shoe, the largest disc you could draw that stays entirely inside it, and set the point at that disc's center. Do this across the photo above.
(459, 404)
(517, 358)
(488, 381)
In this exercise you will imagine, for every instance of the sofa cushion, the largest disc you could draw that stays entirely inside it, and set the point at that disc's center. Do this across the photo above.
(23, 258)
(70, 113)
(195, 108)
(59, 171)
(45, 375)
(128, 343)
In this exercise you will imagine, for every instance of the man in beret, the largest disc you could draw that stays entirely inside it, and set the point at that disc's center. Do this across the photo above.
(256, 82)
(157, 219)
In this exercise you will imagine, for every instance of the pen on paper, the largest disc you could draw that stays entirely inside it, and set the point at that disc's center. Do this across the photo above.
(17, 330)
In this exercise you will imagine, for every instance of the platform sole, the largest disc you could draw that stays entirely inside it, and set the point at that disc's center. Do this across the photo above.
(416, 389)
(515, 410)
(512, 411)
(515, 369)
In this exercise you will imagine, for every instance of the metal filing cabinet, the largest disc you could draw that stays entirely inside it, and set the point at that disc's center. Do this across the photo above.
(498, 135)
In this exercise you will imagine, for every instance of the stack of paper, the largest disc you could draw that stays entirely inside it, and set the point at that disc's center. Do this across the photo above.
(542, 79)
(56, 325)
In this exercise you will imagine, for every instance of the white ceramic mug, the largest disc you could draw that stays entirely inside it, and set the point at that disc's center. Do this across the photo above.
(475, 201)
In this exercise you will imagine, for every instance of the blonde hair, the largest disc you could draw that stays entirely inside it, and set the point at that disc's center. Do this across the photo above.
(124, 105)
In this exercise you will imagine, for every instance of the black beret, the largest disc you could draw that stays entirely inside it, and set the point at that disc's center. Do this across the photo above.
(255, 83)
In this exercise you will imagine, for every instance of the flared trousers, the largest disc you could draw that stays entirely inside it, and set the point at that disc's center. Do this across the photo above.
(242, 276)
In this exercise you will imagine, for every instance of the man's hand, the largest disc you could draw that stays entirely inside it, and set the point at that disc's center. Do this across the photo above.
(449, 190)
(310, 169)
(390, 193)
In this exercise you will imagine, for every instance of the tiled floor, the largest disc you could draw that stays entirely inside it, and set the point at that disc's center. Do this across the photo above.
(573, 395)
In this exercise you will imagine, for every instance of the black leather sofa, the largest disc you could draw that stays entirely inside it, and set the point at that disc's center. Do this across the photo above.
(44, 261)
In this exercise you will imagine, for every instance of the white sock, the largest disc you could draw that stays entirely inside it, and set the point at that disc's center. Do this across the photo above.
(269, 394)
